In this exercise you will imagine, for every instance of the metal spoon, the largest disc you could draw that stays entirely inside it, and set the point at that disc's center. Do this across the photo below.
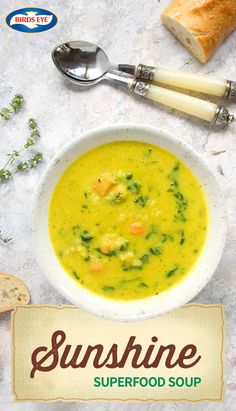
(86, 64)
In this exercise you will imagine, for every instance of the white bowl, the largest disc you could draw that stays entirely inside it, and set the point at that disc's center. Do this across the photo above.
(166, 301)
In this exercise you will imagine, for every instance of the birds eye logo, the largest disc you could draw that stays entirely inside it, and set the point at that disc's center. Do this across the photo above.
(31, 20)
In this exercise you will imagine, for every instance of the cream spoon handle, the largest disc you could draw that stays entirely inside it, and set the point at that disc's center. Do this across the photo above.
(205, 110)
(203, 83)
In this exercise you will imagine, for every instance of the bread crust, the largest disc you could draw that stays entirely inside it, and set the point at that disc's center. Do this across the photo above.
(209, 21)
(20, 294)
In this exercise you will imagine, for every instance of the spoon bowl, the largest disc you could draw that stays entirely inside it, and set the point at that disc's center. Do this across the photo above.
(83, 62)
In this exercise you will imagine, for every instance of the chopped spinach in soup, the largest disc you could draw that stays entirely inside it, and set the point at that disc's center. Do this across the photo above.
(128, 220)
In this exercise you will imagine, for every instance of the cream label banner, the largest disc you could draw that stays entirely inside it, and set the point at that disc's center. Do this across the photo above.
(64, 353)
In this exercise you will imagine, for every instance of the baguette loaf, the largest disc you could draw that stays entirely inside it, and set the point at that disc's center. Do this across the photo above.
(12, 292)
(201, 25)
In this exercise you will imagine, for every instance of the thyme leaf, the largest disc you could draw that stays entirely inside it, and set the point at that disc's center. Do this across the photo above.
(144, 258)
(172, 272)
(108, 288)
(141, 201)
(85, 236)
(155, 250)
(15, 105)
(166, 237)
(134, 187)
(151, 232)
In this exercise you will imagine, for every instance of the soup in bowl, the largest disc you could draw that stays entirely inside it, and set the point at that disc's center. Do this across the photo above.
(130, 222)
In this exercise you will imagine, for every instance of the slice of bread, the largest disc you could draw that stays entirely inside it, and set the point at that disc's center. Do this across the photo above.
(200, 25)
(12, 292)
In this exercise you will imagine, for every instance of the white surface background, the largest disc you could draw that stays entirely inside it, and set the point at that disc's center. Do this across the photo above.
(130, 32)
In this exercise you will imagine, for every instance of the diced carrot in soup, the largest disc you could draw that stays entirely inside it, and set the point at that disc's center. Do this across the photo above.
(137, 228)
(103, 184)
(97, 266)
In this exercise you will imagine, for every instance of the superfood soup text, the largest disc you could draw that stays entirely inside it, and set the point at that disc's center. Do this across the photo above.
(128, 220)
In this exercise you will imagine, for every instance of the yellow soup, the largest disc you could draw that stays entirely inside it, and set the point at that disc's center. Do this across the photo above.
(128, 220)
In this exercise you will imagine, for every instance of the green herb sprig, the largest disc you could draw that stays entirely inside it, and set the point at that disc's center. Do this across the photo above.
(15, 105)
(32, 162)
(10, 166)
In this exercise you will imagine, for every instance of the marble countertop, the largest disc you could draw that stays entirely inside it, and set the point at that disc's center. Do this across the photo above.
(129, 31)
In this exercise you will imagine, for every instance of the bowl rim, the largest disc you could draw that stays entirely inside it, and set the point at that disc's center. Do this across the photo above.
(91, 302)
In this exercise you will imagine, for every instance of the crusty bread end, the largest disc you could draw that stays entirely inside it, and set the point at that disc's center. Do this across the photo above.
(12, 292)
(200, 25)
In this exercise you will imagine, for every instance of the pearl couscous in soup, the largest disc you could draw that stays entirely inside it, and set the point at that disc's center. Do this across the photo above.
(128, 220)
